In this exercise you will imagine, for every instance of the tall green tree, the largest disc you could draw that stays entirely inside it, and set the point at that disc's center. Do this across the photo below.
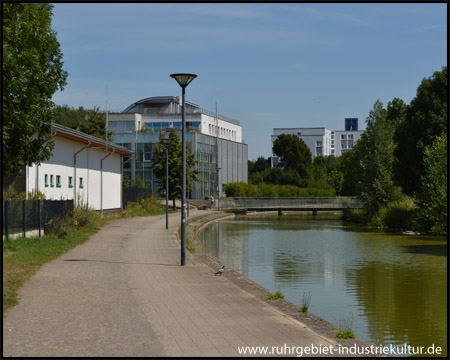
(374, 153)
(432, 198)
(293, 154)
(32, 73)
(425, 120)
(175, 169)
(89, 121)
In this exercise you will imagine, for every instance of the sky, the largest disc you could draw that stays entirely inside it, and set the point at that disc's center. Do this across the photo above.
(268, 65)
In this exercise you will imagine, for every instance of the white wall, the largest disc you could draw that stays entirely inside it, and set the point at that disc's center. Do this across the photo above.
(87, 168)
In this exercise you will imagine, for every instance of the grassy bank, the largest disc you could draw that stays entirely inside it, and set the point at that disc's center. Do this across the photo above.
(22, 257)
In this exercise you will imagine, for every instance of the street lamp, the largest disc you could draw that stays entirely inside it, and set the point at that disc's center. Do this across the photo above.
(183, 80)
(166, 143)
(218, 188)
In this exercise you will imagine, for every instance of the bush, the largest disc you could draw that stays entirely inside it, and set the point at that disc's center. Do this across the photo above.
(395, 215)
(240, 189)
(356, 216)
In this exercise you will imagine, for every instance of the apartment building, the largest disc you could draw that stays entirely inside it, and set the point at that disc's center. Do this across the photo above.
(322, 141)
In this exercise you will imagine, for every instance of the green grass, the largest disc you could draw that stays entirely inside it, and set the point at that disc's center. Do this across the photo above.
(22, 257)
(277, 296)
(346, 328)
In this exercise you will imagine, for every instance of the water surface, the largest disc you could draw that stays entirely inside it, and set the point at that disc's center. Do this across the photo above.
(393, 286)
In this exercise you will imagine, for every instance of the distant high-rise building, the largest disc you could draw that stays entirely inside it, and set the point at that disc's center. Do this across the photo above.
(351, 124)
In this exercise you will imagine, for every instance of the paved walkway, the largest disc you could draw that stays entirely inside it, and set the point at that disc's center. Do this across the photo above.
(123, 293)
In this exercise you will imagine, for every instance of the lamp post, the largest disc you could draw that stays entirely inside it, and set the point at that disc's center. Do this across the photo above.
(166, 143)
(183, 80)
(218, 188)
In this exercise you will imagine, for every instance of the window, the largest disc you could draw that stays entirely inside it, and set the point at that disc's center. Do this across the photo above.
(319, 143)
(350, 146)
(51, 181)
(344, 146)
(46, 180)
(350, 136)
(58, 181)
(332, 151)
(81, 183)
(343, 137)
(299, 134)
(332, 143)
(332, 135)
(70, 182)
(147, 156)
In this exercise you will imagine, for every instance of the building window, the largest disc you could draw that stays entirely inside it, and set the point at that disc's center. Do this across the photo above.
(332, 135)
(46, 180)
(350, 136)
(332, 151)
(343, 137)
(81, 183)
(70, 182)
(344, 146)
(319, 143)
(58, 181)
(51, 181)
(332, 143)
(147, 156)
(350, 146)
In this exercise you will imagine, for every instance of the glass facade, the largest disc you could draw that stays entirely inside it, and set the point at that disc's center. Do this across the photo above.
(203, 146)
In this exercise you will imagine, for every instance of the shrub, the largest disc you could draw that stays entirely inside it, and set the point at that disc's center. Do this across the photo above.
(395, 215)
(356, 216)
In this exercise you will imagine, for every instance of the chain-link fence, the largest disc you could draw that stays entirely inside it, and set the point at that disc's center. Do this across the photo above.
(22, 216)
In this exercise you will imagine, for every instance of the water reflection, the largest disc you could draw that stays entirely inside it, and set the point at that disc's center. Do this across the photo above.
(395, 286)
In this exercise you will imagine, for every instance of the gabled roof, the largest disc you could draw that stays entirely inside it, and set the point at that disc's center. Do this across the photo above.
(81, 137)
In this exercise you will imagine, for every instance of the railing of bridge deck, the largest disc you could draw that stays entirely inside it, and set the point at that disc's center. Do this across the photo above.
(301, 202)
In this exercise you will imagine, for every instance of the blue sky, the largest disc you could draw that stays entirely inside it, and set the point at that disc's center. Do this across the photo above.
(267, 65)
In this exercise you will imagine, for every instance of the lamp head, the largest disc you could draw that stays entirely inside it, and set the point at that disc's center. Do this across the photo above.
(183, 79)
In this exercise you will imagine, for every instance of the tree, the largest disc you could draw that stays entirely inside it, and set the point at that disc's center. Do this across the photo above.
(432, 197)
(261, 164)
(89, 121)
(349, 169)
(294, 154)
(375, 155)
(32, 73)
(425, 120)
(175, 169)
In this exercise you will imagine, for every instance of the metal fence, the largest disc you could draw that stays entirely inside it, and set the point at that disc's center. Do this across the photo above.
(21, 216)
(133, 194)
(301, 202)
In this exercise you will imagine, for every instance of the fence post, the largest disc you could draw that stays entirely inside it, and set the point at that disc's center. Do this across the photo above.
(6, 218)
(39, 216)
(24, 216)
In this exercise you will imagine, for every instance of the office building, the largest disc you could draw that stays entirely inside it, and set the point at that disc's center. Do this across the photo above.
(215, 139)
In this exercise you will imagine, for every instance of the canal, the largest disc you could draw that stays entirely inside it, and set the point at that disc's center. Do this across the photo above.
(392, 287)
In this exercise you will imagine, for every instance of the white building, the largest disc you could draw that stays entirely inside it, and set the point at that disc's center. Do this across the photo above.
(82, 167)
(322, 141)
(215, 139)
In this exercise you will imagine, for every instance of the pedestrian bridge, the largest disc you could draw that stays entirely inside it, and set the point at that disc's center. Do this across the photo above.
(313, 204)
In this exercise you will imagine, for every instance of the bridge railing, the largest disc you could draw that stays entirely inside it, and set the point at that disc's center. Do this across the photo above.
(301, 202)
